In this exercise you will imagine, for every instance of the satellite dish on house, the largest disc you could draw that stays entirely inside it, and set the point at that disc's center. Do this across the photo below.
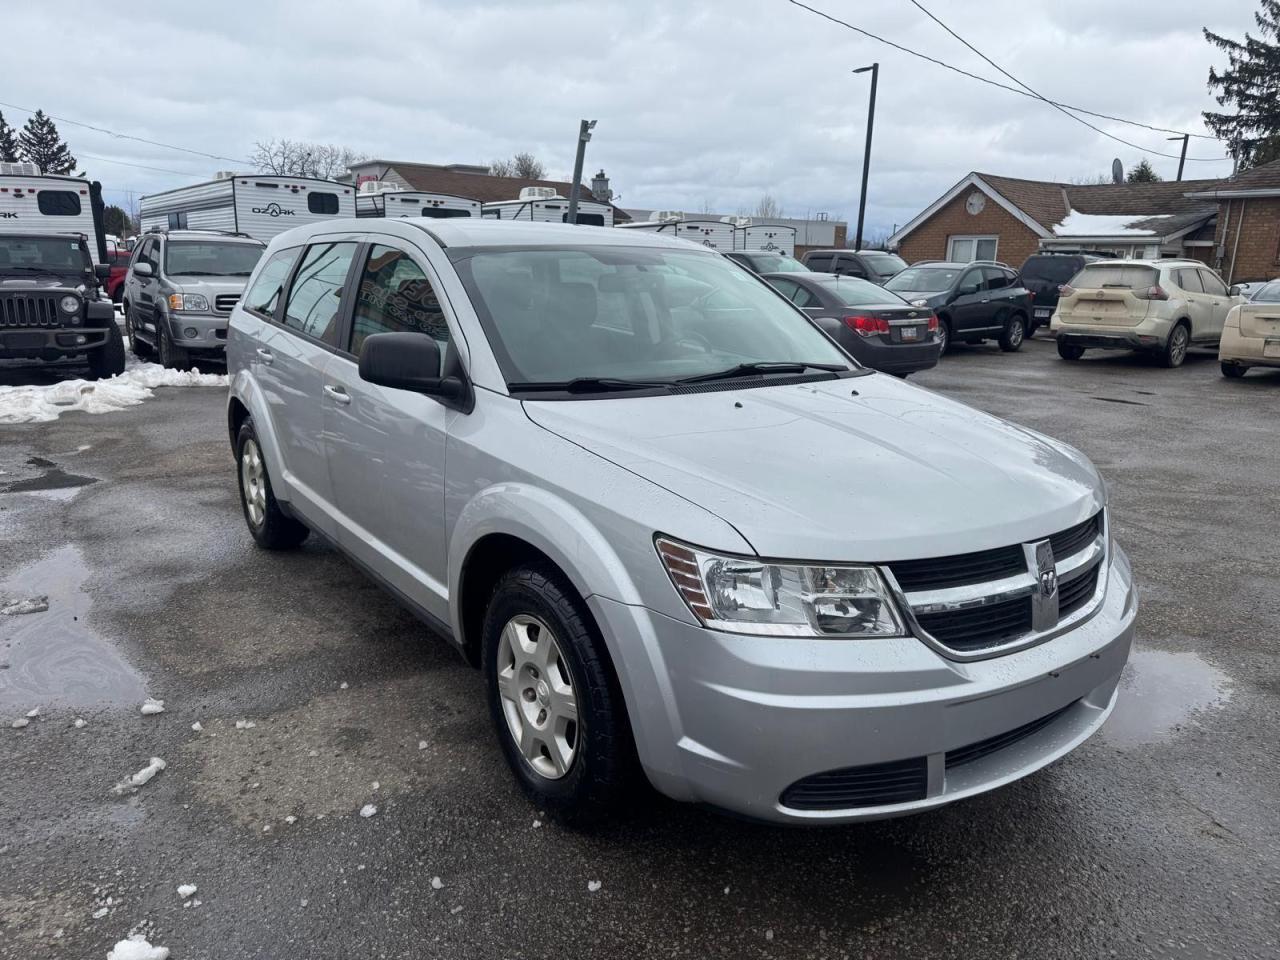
(1117, 171)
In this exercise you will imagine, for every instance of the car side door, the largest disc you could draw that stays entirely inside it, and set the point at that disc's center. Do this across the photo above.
(968, 302)
(1219, 303)
(146, 287)
(1198, 311)
(386, 447)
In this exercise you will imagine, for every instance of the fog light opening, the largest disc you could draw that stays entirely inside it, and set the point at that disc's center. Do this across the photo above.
(190, 333)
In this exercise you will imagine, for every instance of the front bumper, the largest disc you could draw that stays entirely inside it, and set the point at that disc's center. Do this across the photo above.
(733, 721)
(210, 330)
(49, 343)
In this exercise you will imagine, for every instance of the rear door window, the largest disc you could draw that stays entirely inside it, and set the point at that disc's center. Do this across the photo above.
(994, 278)
(316, 291)
(820, 262)
(1116, 277)
(264, 296)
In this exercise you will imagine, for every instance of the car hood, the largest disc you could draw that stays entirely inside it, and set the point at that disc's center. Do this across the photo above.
(210, 286)
(909, 295)
(862, 468)
(41, 282)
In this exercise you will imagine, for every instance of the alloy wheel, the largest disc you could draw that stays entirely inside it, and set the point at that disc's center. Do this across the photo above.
(1178, 348)
(253, 480)
(1016, 332)
(537, 696)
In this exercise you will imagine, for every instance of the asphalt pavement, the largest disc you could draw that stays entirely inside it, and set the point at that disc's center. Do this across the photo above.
(316, 695)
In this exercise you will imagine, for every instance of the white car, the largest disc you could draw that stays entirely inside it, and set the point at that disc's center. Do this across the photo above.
(1157, 306)
(1251, 338)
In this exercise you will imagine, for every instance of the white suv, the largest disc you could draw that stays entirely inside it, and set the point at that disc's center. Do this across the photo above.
(1158, 306)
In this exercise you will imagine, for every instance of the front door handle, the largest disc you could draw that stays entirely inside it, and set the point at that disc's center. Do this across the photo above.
(337, 394)
(266, 356)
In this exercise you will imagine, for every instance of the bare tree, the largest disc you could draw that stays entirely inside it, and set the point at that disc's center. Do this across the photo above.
(767, 207)
(300, 158)
(523, 165)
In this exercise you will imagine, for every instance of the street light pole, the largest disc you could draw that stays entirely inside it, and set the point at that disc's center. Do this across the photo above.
(1182, 160)
(584, 135)
(866, 156)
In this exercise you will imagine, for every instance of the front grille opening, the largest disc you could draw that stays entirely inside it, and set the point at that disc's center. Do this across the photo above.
(872, 785)
(29, 311)
(984, 748)
(1074, 539)
(978, 628)
(1074, 594)
(959, 570)
(225, 302)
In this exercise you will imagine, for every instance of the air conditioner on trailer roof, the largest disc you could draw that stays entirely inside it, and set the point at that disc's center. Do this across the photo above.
(538, 193)
(659, 216)
(19, 169)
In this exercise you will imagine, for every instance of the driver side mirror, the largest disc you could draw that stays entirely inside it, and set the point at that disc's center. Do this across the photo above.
(142, 270)
(1235, 290)
(408, 361)
(102, 271)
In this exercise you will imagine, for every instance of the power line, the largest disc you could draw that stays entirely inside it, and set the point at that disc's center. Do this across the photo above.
(140, 166)
(127, 136)
(1035, 93)
(1003, 86)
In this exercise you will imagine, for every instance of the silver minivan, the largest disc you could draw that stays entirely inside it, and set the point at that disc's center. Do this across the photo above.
(683, 533)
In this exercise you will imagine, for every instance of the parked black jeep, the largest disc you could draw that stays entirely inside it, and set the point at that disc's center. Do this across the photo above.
(51, 306)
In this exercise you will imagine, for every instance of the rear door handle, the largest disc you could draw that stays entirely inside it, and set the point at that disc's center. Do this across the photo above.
(337, 394)
(266, 356)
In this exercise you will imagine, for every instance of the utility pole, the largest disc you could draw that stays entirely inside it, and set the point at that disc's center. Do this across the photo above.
(1182, 160)
(584, 135)
(866, 156)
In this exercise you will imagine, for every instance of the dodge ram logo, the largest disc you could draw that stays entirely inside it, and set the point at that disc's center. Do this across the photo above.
(1044, 598)
(273, 210)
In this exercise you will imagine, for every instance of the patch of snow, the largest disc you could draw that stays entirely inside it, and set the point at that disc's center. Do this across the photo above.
(537, 824)
(245, 724)
(436, 883)
(456, 910)
(14, 608)
(593, 886)
(291, 819)
(197, 726)
(101, 912)
(151, 706)
(140, 778)
(374, 786)
(80, 722)
(422, 744)
(1079, 224)
(33, 713)
(368, 810)
(20, 723)
(768, 934)
(342, 685)
(137, 948)
(187, 890)
(44, 402)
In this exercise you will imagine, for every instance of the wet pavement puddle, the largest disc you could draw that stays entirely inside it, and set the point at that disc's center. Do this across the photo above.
(54, 657)
(1161, 691)
(53, 484)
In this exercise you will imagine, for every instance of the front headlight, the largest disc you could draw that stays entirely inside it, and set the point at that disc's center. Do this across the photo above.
(69, 304)
(748, 595)
(188, 301)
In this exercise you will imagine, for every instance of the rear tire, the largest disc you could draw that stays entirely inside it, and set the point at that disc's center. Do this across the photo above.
(541, 653)
(1069, 351)
(171, 357)
(944, 335)
(108, 359)
(1234, 371)
(270, 526)
(1015, 331)
(1175, 348)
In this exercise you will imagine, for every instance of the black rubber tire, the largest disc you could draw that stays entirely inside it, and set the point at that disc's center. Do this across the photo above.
(1014, 333)
(944, 334)
(108, 359)
(1234, 371)
(278, 530)
(1069, 351)
(605, 764)
(137, 347)
(1170, 355)
(171, 357)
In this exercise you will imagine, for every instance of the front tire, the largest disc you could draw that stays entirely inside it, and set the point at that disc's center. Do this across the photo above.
(1015, 331)
(553, 698)
(1234, 371)
(1069, 351)
(171, 357)
(137, 347)
(1175, 348)
(270, 526)
(108, 359)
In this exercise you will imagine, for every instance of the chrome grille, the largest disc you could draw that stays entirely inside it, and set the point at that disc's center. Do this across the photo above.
(29, 310)
(995, 601)
(225, 302)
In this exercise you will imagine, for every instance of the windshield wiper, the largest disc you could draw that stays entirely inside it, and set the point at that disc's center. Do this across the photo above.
(764, 366)
(585, 385)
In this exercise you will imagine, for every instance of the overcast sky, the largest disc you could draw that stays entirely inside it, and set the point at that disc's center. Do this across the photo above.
(699, 104)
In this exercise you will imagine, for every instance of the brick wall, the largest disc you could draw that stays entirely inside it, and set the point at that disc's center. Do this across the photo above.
(1258, 255)
(929, 240)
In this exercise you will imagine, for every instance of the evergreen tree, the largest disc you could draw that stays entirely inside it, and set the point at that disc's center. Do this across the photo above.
(1251, 85)
(1143, 173)
(116, 221)
(8, 142)
(39, 143)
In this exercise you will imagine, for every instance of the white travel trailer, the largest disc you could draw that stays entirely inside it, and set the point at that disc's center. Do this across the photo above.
(546, 206)
(379, 199)
(716, 234)
(35, 204)
(766, 238)
(257, 205)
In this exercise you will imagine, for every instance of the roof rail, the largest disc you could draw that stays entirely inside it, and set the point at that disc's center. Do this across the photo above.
(221, 233)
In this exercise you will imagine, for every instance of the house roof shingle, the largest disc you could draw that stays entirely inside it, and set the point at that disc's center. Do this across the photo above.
(1263, 177)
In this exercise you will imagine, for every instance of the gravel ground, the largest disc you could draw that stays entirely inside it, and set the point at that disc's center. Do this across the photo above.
(1156, 838)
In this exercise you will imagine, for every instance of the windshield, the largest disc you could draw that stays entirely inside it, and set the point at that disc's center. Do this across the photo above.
(777, 263)
(924, 279)
(855, 292)
(885, 264)
(557, 315)
(1116, 276)
(52, 254)
(210, 258)
(1267, 293)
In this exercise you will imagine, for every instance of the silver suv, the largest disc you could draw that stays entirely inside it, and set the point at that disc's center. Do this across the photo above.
(180, 289)
(679, 529)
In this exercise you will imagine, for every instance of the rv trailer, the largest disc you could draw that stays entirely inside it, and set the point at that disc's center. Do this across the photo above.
(256, 205)
(716, 234)
(31, 203)
(766, 238)
(376, 198)
(544, 205)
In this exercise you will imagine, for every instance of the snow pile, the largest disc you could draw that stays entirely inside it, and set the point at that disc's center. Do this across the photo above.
(593, 886)
(137, 948)
(13, 608)
(129, 784)
(368, 810)
(1079, 224)
(20, 723)
(152, 706)
(38, 403)
(187, 890)
(245, 724)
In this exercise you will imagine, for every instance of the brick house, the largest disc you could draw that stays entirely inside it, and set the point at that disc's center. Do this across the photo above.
(985, 216)
(1247, 236)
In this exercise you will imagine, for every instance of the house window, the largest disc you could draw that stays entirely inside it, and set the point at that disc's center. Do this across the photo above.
(965, 249)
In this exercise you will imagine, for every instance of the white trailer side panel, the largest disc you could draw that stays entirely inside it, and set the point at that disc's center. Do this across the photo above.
(709, 233)
(415, 203)
(66, 203)
(201, 206)
(767, 238)
(555, 210)
(266, 206)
